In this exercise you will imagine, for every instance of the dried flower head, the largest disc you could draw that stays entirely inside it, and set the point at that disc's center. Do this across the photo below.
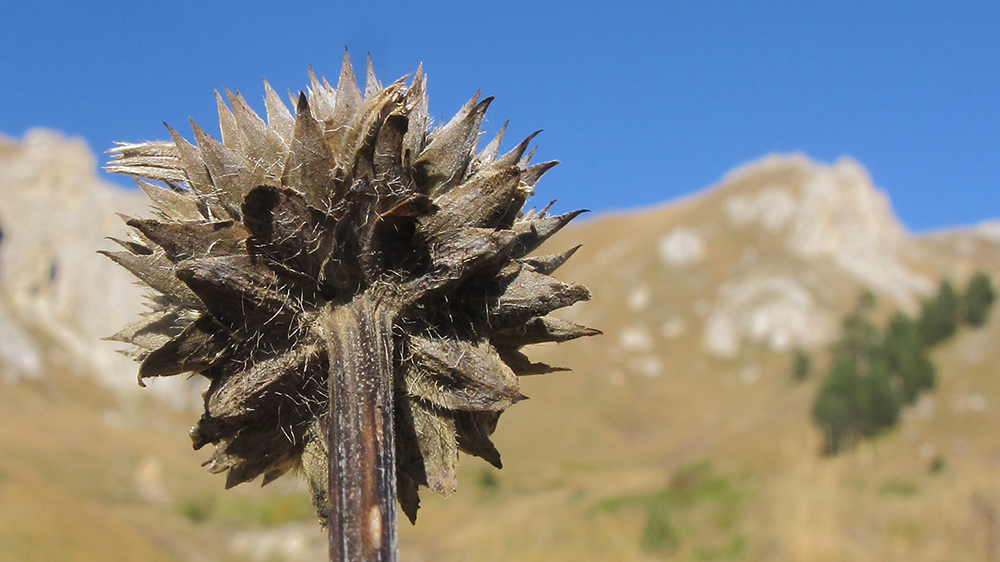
(346, 255)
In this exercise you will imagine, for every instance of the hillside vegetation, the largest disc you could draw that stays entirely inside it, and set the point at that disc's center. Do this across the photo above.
(681, 434)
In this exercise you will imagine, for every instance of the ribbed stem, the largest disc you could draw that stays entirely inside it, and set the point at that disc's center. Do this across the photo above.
(362, 484)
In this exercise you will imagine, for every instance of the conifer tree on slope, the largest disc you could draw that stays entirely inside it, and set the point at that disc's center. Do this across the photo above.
(978, 298)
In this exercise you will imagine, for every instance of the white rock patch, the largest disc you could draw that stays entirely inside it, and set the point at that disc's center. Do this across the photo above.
(749, 375)
(990, 230)
(648, 366)
(636, 338)
(926, 450)
(293, 541)
(680, 247)
(843, 217)
(639, 299)
(776, 311)
(720, 337)
(925, 406)
(20, 358)
(673, 327)
(149, 480)
(773, 208)
(975, 403)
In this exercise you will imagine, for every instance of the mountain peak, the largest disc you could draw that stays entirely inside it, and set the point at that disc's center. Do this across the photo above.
(773, 253)
(825, 211)
(55, 290)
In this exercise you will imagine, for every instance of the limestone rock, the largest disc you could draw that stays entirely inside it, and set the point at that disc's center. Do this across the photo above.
(58, 297)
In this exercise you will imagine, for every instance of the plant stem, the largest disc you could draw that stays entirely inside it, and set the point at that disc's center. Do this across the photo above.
(362, 481)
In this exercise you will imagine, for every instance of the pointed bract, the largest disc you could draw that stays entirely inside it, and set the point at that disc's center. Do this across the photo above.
(279, 119)
(310, 165)
(231, 175)
(232, 136)
(170, 204)
(442, 164)
(262, 147)
(202, 344)
(349, 100)
(372, 85)
(454, 374)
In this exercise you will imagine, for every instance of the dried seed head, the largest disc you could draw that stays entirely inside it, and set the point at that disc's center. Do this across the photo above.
(256, 234)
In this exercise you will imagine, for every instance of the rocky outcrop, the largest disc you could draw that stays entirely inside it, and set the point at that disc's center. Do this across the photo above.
(58, 297)
(827, 212)
(771, 256)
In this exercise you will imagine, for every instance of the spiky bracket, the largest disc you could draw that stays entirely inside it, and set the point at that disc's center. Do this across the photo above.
(356, 287)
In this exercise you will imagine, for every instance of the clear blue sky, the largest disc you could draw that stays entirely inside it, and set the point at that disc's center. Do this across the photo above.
(641, 101)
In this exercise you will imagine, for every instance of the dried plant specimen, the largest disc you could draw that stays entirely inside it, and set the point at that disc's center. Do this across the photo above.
(355, 285)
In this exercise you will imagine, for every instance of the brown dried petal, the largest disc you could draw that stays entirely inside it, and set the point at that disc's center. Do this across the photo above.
(310, 165)
(513, 158)
(154, 330)
(522, 366)
(442, 164)
(242, 294)
(181, 241)
(231, 175)
(156, 271)
(539, 330)
(435, 433)
(474, 430)
(549, 263)
(408, 496)
(279, 118)
(242, 393)
(288, 230)
(202, 344)
(531, 233)
(262, 146)
(534, 294)
(459, 375)
(172, 204)
(480, 202)
(460, 254)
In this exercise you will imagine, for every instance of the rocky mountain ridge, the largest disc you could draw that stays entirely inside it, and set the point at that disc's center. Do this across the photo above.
(773, 253)
(58, 297)
(701, 301)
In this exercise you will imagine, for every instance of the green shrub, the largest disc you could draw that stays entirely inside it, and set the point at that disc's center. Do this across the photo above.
(906, 358)
(244, 511)
(676, 515)
(898, 488)
(936, 465)
(939, 315)
(874, 376)
(658, 534)
(978, 299)
(488, 480)
(801, 365)
(198, 509)
(838, 409)
(879, 401)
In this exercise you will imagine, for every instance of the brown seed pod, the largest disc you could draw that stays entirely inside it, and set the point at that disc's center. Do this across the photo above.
(347, 256)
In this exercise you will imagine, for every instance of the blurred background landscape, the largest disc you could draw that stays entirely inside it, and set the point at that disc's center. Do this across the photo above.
(684, 432)
(771, 186)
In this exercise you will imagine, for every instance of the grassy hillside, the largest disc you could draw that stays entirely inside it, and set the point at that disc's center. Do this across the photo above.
(86, 477)
(691, 465)
(669, 440)
(591, 465)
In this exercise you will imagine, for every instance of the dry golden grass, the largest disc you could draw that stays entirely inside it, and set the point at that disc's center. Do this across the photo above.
(595, 462)
(878, 501)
